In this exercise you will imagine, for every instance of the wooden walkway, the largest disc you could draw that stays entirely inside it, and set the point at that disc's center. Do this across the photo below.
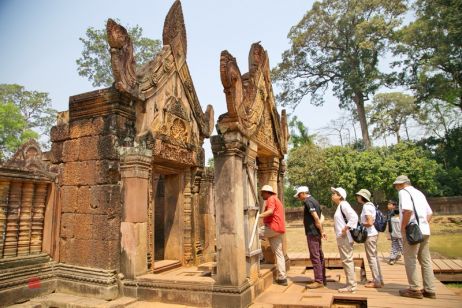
(295, 294)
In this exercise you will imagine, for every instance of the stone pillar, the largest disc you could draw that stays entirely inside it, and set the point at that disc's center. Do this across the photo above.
(228, 150)
(135, 166)
(207, 215)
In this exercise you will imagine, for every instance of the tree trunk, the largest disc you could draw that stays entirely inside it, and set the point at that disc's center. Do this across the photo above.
(398, 138)
(407, 132)
(359, 101)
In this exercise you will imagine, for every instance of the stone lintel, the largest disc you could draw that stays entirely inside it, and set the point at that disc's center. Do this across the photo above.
(100, 103)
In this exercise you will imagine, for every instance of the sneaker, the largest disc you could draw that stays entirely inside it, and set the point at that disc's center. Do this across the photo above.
(398, 257)
(314, 285)
(282, 282)
(426, 294)
(411, 293)
(391, 262)
(347, 290)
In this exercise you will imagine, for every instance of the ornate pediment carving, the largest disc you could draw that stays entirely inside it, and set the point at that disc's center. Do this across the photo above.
(29, 157)
(152, 85)
(250, 101)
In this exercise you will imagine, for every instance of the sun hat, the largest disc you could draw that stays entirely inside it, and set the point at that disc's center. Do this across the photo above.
(340, 191)
(267, 188)
(301, 189)
(365, 194)
(401, 179)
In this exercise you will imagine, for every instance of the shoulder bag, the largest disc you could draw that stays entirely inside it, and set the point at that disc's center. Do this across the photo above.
(413, 233)
(359, 234)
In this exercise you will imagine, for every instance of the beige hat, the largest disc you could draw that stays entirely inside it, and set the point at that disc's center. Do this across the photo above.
(340, 191)
(267, 188)
(301, 189)
(401, 179)
(365, 194)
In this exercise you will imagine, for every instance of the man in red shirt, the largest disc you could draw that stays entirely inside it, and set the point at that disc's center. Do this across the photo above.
(273, 229)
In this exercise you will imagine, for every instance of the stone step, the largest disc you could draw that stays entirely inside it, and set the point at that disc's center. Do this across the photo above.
(165, 265)
(62, 300)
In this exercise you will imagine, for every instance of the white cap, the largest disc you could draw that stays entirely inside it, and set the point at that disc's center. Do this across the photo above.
(267, 188)
(301, 189)
(340, 191)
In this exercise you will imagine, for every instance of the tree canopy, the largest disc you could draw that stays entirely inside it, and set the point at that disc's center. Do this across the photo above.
(390, 112)
(95, 62)
(432, 50)
(13, 129)
(374, 169)
(31, 111)
(338, 44)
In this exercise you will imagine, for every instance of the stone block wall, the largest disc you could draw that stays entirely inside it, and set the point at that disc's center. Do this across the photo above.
(86, 152)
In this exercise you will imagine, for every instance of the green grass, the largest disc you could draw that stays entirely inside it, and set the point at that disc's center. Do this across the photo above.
(446, 245)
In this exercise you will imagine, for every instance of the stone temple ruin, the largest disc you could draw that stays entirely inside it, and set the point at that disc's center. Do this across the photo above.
(123, 204)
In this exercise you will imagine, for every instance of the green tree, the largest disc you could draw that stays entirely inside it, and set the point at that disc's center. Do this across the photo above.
(34, 106)
(374, 169)
(95, 62)
(432, 47)
(389, 112)
(338, 43)
(13, 129)
(299, 134)
(439, 118)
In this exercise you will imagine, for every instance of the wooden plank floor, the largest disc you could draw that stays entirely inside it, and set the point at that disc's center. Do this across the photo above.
(295, 294)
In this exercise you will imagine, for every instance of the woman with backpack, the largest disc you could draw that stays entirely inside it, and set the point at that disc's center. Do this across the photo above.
(367, 219)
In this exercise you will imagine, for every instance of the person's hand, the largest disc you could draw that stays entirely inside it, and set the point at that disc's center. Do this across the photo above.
(324, 236)
(388, 237)
(344, 231)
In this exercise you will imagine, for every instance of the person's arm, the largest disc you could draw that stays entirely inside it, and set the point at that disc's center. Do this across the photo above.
(269, 210)
(352, 218)
(369, 220)
(267, 213)
(429, 213)
(406, 218)
(318, 224)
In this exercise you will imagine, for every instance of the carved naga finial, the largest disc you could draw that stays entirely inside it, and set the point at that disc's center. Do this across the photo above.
(174, 33)
(122, 59)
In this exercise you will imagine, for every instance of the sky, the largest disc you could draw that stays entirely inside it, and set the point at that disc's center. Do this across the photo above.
(39, 42)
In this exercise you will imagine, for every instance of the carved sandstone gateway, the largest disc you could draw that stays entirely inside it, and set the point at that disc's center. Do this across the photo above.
(131, 210)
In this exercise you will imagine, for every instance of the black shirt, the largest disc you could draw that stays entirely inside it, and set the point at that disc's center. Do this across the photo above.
(311, 205)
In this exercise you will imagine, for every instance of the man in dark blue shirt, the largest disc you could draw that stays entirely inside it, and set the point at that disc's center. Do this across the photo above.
(314, 233)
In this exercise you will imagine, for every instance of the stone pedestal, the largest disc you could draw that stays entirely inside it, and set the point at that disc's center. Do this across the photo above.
(135, 169)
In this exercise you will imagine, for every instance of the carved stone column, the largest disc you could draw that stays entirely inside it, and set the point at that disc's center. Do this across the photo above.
(135, 166)
(4, 191)
(25, 219)
(268, 170)
(229, 150)
(12, 221)
(38, 216)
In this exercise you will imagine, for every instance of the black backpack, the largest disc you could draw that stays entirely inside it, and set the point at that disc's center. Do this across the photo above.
(380, 222)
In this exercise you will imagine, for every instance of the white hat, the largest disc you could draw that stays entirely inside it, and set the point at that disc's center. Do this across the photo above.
(267, 188)
(340, 191)
(301, 189)
(401, 179)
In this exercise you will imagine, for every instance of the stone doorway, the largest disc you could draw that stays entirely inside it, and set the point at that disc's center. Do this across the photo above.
(167, 216)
